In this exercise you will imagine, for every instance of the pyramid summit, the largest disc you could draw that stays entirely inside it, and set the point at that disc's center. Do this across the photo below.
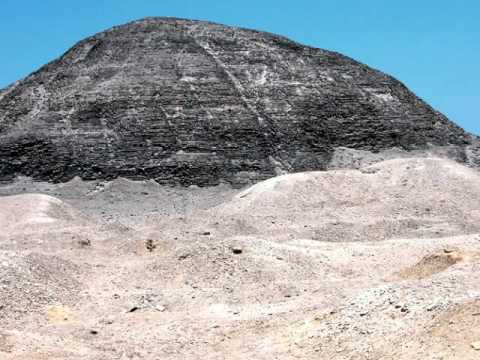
(191, 102)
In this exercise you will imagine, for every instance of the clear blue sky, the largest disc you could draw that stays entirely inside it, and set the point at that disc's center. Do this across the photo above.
(433, 46)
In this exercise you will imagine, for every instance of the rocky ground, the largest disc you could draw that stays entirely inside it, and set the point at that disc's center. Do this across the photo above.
(375, 263)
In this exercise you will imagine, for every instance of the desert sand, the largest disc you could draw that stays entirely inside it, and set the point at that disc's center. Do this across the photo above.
(376, 263)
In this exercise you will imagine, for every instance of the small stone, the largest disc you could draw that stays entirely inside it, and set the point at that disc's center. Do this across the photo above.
(475, 345)
(448, 250)
(237, 250)
(85, 242)
(150, 245)
(183, 256)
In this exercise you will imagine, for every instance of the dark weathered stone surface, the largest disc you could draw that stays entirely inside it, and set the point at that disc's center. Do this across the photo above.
(187, 102)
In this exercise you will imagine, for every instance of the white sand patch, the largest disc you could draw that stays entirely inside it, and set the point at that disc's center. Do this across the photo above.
(19, 212)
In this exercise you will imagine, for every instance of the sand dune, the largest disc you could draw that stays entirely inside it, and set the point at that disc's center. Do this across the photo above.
(393, 199)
